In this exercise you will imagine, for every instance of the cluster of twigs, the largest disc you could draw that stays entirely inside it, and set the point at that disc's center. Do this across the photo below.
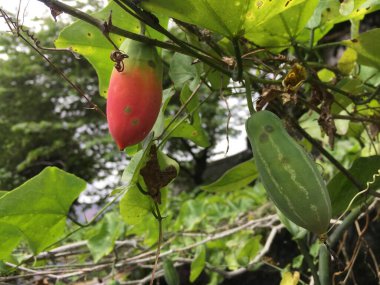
(130, 254)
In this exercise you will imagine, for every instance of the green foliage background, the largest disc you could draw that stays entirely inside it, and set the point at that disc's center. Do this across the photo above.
(213, 52)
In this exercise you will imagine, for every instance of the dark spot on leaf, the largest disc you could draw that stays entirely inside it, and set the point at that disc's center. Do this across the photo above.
(354, 40)
(269, 128)
(368, 8)
(328, 9)
(287, 3)
(263, 137)
(151, 63)
(89, 34)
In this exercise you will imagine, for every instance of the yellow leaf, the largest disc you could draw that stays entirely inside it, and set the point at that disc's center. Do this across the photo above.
(290, 279)
(347, 61)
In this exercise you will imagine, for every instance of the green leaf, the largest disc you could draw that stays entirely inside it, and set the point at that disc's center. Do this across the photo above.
(10, 237)
(182, 70)
(347, 61)
(89, 41)
(187, 131)
(165, 161)
(37, 210)
(191, 214)
(367, 45)
(2, 193)
(330, 12)
(131, 172)
(135, 206)
(248, 252)
(191, 104)
(198, 263)
(217, 79)
(103, 242)
(222, 16)
(170, 273)
(235, 178)
(159, 126)
(346, 7)
(326, 75)
(342, 190)
(284, 27)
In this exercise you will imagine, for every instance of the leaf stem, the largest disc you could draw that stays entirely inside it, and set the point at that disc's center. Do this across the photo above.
(159, 219)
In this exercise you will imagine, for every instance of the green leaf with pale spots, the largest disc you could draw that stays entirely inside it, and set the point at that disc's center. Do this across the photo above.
(36, 211)
(262, 12)
(281, 28)
(367, 45)
(89, 41)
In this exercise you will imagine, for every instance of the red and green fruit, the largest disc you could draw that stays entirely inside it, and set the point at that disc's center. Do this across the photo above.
(134, 94)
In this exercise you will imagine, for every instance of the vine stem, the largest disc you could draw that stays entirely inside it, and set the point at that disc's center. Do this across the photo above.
(347, 222)
(158, 251)
(237, 74)
(248, 94)
(305, 252)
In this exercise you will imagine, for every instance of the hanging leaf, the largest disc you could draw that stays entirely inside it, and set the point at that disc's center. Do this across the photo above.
(170, 273)
(198, 263)
(235, 178)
